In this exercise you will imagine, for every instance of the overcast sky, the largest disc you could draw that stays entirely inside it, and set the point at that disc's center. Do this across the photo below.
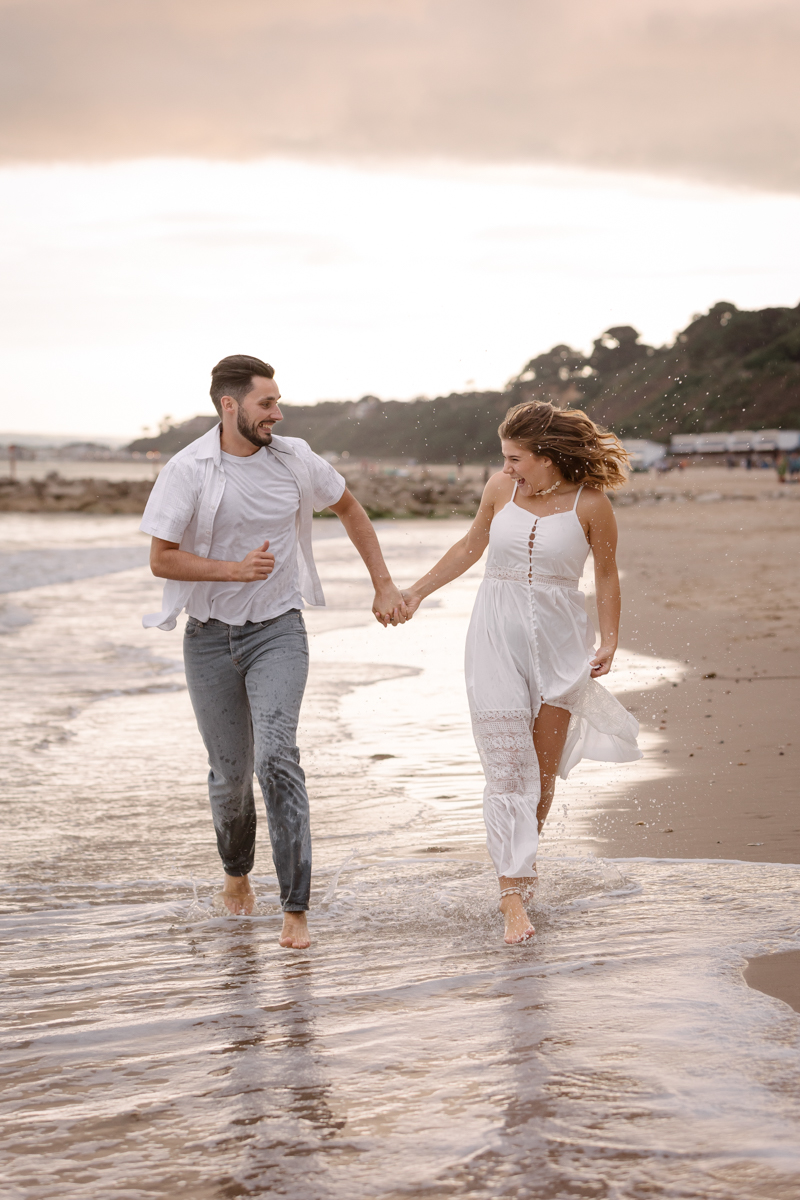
(124, 283)
(397, 197)
(707, 88)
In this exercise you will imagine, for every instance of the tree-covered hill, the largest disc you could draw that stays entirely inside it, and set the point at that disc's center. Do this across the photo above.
(459, 427)
(729, 369)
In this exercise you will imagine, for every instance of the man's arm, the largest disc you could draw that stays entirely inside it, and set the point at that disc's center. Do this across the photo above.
(168, 561)
(388, 605)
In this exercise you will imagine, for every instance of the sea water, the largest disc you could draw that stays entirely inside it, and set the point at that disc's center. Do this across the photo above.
(153, 1048)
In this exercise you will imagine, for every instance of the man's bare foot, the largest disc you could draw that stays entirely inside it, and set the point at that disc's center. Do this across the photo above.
(294, 935)
(518, 927)
(237, 897)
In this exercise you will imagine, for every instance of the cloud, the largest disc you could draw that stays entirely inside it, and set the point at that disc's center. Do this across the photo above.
(703, 88)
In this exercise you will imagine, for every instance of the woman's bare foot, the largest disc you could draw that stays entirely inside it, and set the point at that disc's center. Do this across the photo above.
(237, 896)
(518, 927)
(294, 935)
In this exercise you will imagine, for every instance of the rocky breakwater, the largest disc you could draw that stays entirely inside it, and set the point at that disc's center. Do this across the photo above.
(422, 494)
(425, 494)
(56, 494)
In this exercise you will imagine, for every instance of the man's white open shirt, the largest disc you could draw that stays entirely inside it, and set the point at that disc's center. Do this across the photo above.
(184, 502)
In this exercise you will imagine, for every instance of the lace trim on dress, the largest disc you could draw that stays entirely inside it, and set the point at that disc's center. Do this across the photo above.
(517, 573)
(502, 714)
(505, 745)
(520, 575)
(604, 711)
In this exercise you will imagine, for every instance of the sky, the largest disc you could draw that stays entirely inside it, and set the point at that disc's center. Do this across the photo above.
(697, 88)
(396, 197)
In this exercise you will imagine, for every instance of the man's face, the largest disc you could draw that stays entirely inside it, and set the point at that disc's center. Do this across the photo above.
(259, 411)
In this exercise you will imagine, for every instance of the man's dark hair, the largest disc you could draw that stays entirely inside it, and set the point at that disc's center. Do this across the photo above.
(233, 376)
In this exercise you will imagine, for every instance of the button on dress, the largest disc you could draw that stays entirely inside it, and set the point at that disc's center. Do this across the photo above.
(529, 643)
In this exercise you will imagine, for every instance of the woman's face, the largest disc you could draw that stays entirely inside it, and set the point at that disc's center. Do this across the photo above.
(533, 472)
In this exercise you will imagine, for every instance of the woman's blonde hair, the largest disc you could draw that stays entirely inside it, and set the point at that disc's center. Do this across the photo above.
(582, 451)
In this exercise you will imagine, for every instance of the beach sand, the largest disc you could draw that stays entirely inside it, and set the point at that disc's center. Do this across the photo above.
(716, 585)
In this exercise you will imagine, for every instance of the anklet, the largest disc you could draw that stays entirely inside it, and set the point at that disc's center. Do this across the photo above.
(512, 891)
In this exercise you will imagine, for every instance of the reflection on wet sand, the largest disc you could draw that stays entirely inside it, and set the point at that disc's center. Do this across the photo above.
(274, 1083)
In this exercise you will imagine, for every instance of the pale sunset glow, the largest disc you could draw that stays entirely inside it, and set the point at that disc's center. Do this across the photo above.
(125, 282)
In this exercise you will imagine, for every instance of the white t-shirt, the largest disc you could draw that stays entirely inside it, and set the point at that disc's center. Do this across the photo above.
(260, 504)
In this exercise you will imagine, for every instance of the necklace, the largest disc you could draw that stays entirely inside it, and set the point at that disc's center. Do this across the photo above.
(547, 491)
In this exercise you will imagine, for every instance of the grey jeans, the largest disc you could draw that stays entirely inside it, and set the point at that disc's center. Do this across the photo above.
(246, 684)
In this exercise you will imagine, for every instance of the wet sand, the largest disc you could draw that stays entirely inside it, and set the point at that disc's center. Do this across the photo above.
(776, 975)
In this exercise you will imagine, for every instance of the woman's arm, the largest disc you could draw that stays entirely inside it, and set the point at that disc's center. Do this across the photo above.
(602, 534)
(460, 557)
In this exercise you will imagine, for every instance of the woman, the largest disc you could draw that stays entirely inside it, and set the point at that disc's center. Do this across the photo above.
(531, 667)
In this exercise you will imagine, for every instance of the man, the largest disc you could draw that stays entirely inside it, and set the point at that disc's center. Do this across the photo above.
(230, 520)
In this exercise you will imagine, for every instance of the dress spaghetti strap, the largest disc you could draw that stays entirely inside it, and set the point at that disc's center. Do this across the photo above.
(578, 496)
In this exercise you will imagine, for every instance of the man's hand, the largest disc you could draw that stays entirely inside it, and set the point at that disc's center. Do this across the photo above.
(258, 564)
(388, 606)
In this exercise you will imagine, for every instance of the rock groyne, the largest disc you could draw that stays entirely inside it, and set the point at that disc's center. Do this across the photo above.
(381, 495)
(56, 494)
(423, 496)
(432, 493)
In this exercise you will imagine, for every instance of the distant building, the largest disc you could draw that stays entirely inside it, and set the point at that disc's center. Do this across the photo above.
(741, 443)
(644, 454)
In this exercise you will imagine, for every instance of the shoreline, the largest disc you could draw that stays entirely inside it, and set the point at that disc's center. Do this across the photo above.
(435, 491)
(776, 975)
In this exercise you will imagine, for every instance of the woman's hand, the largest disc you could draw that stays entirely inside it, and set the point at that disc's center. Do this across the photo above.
(412, 602)
(603, 658)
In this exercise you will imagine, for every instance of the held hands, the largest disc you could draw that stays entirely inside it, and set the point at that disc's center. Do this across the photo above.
(258, 564)
(389, 606)
(412, 602)
(603, 658)
(409, 602)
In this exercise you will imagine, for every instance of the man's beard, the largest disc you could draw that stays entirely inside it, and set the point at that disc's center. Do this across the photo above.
(251, 431)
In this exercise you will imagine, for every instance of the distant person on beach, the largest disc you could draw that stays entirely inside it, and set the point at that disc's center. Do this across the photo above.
(531, 666)
(230, 518)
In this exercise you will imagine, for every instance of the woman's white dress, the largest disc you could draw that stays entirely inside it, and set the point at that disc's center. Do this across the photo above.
(529, 643)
